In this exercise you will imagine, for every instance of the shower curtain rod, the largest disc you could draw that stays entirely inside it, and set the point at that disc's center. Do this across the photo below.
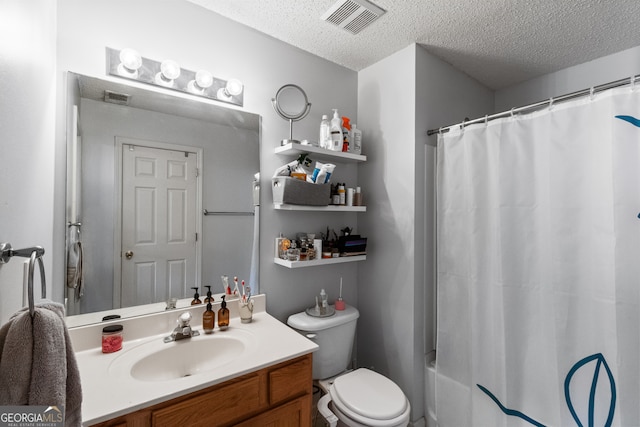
(622, 82)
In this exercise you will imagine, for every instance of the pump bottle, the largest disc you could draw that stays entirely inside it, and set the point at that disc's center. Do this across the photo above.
(346, 130)
(336, 132)
(208, 319)
(209, 298)
(223, 315)
(196, 297)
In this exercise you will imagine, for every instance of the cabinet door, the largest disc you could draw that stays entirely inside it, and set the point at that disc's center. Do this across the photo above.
(292, 414)
(220, 406)
(290, 381)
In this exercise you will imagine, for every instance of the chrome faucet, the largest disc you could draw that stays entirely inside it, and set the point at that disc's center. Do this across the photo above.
(183, 330)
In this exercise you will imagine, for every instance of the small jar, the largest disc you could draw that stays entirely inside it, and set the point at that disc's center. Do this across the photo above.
(112, 338)
(293, 253)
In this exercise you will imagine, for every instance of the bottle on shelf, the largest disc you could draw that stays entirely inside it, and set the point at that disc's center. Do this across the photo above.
(325, 133)
(336, 132)
(355, 145)
(346, 130)
(342, 194)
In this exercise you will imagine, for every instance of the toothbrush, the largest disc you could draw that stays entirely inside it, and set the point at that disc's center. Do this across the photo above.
(225, 285)
(243, 294)
(235, 287)
(339, 304)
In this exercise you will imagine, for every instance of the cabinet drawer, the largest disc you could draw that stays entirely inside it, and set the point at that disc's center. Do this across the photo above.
(290, 381)
(220, 406)
(293, 414)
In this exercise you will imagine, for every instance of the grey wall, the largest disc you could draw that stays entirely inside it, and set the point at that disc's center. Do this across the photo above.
(201, 39)
(609, 68)
(27, 126)
(399, 98)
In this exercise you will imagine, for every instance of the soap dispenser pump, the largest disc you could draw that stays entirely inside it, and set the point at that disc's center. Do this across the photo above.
(208, 319)
(223, 315)
(209, 298)
(196, 297)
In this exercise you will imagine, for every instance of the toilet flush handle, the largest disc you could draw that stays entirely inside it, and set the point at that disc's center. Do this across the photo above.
(311, 336)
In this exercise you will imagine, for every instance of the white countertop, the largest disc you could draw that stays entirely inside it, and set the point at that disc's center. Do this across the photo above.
(108, 393)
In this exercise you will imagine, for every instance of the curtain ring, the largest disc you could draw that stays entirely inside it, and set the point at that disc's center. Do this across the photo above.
(486, 119)
(633, 83)
(440, 131)
(551, 102)
(512, 110)
(591, 93)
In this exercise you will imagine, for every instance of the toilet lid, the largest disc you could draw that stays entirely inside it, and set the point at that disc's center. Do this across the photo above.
(368, 394)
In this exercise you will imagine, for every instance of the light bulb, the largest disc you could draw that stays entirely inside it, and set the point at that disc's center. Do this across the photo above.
(233, 88)
(130, 62)
(169, 71)
(203, 80)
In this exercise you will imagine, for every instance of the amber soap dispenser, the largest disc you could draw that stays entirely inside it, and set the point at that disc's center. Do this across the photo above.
(196, 297)
(223, 315)
(208, 319)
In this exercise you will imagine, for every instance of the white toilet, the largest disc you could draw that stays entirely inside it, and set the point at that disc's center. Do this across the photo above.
(357, 398)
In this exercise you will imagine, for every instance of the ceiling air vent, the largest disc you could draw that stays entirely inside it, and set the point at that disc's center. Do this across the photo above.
(353, 15)
(116, 98)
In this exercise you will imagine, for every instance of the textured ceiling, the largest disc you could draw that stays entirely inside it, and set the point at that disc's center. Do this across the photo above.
(498, 42)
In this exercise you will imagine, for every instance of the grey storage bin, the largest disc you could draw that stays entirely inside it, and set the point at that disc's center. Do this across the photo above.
(293, 191)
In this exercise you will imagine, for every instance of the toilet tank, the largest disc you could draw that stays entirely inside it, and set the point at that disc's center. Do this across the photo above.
(334, 336)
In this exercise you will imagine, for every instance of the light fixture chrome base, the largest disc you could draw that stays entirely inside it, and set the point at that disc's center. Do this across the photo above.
(150, 69)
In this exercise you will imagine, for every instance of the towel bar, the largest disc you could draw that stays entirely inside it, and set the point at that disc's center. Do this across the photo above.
(33, 253)
(206, 213)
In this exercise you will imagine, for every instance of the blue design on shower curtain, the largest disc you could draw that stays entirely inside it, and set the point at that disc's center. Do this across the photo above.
(630, 119)
(633, 121)
(600, 362)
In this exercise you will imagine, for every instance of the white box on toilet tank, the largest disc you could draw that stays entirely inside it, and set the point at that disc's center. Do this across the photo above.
(334, 336)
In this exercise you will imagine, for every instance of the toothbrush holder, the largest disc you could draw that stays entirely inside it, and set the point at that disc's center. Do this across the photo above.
(246, 311)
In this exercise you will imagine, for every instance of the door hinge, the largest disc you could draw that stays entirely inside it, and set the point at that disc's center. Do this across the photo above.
(196, 237)
(197, 172)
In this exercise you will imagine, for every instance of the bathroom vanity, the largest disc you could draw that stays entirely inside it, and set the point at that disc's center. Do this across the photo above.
(251, 374)
(279, 394)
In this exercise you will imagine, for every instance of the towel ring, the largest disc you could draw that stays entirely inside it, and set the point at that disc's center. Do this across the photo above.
(32, 261)
(34, 253)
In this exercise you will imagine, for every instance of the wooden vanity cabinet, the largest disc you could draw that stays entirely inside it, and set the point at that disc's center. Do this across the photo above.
(278, 396)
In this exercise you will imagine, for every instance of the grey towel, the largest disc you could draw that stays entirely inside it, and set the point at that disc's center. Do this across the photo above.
(37, 362)
(75, 271)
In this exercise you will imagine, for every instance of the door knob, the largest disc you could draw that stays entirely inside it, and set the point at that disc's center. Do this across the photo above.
(128, 254)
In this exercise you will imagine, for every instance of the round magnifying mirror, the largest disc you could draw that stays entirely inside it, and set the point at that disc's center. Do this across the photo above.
(291, 103)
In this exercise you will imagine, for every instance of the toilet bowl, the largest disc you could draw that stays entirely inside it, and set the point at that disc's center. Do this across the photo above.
(365, 398)
(357, 398)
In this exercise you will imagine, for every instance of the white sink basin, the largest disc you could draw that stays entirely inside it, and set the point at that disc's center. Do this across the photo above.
(159, 361)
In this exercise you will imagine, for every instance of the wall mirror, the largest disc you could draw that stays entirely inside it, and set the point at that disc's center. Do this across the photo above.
(160, 195)
(291, 103)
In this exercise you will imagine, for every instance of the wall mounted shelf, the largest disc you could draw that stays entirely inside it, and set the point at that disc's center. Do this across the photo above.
(320, 153)
(318, 262)
(328, 208)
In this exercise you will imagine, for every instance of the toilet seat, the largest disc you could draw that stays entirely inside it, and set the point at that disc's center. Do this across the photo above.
(370, 399)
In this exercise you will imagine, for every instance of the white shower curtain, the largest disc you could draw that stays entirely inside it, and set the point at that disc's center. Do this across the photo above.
(539, 267)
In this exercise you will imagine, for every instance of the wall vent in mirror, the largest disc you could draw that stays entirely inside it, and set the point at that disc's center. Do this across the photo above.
(129, 64)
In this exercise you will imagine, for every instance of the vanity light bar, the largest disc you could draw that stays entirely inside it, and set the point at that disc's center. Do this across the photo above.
(129, 64)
